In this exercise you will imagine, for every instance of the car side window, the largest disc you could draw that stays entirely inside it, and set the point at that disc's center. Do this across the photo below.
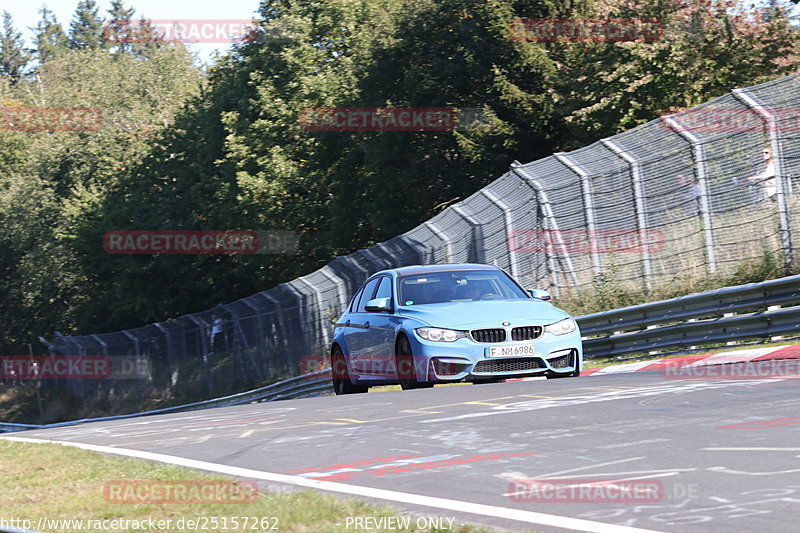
(356, 298)
(385, 288)
(366, 294)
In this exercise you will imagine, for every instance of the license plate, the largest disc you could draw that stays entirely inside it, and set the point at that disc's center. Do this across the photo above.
(512, 351)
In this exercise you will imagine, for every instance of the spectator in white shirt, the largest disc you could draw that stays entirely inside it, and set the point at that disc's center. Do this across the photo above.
(766, 178)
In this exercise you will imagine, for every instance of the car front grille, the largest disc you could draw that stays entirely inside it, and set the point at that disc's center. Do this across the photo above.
(518, 364)
(526, 333)
(564, 361)
(489, 335)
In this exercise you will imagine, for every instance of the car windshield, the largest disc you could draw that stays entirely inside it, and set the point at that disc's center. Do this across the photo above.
(457, 286)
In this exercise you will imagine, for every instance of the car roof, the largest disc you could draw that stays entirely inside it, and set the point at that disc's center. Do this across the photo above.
(424, 269)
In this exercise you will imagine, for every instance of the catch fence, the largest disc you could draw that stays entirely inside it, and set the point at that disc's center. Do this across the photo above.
(688, 195)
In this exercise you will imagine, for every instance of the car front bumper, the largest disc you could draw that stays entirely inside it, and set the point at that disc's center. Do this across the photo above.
(466, 360)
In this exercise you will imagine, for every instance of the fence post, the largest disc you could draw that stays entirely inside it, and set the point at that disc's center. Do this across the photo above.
(75, 386)
(137, 349)
(323, 321)
(699, 155)
(260, 344)
(284, 329)
(588, 206)
(477, 233)
(201, 328)
(780, 177)
(550, 220)
(639, 207)
(243, 347)
(358, 265)
(171, 361)
(509, 224)
(448, 242)
(340, 287)
(374, 259)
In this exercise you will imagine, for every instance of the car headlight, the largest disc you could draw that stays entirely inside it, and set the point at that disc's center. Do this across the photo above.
(562, 327)
(440, 335)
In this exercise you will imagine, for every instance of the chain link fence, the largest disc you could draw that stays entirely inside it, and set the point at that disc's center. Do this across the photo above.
(690, 194)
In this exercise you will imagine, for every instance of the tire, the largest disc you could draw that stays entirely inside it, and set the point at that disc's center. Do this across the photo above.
(406, 370)
(340, 376)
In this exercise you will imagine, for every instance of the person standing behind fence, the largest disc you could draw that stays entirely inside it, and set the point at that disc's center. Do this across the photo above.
(691, 194)
(216, 331)
(766, 178)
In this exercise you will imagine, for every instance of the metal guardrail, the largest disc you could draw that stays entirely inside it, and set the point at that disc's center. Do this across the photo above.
(306, 385)
(5, 428)
(712, 317)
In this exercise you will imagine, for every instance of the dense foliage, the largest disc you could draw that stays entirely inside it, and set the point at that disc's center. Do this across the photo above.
(184, 147)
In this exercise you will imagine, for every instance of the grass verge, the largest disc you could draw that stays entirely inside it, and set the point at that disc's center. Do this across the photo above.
(64, 483)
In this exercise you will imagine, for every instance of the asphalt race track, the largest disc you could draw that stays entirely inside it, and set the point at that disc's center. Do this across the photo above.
(717, 454)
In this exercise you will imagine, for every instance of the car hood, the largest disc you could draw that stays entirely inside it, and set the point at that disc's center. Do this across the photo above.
(484, 313)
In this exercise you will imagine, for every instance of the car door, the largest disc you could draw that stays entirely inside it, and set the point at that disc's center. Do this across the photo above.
(345, 332)
(379, 334)
(357, 338)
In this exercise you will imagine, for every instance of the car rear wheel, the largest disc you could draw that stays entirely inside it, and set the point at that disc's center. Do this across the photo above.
(406, 369)
(341, 376)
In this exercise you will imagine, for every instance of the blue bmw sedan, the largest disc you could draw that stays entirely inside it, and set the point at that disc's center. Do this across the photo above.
(422, 325)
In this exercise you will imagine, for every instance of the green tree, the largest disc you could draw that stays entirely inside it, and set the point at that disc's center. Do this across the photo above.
(705, 49)
(53, 184)
(14, 56)
(51, 41)
(147, 39)
(119, 31)
(448, 53)
(86, 29)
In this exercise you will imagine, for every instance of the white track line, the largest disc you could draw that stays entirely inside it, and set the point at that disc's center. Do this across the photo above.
(530, 517)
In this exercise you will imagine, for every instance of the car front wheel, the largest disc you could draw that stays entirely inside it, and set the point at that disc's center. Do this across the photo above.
(341, 376)
(406, 369)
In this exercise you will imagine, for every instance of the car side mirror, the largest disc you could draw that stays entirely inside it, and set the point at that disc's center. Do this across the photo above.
(540, 294)
(379, 305)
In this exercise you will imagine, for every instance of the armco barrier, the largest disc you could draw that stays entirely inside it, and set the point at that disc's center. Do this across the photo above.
(297, 387)
(713, 317)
